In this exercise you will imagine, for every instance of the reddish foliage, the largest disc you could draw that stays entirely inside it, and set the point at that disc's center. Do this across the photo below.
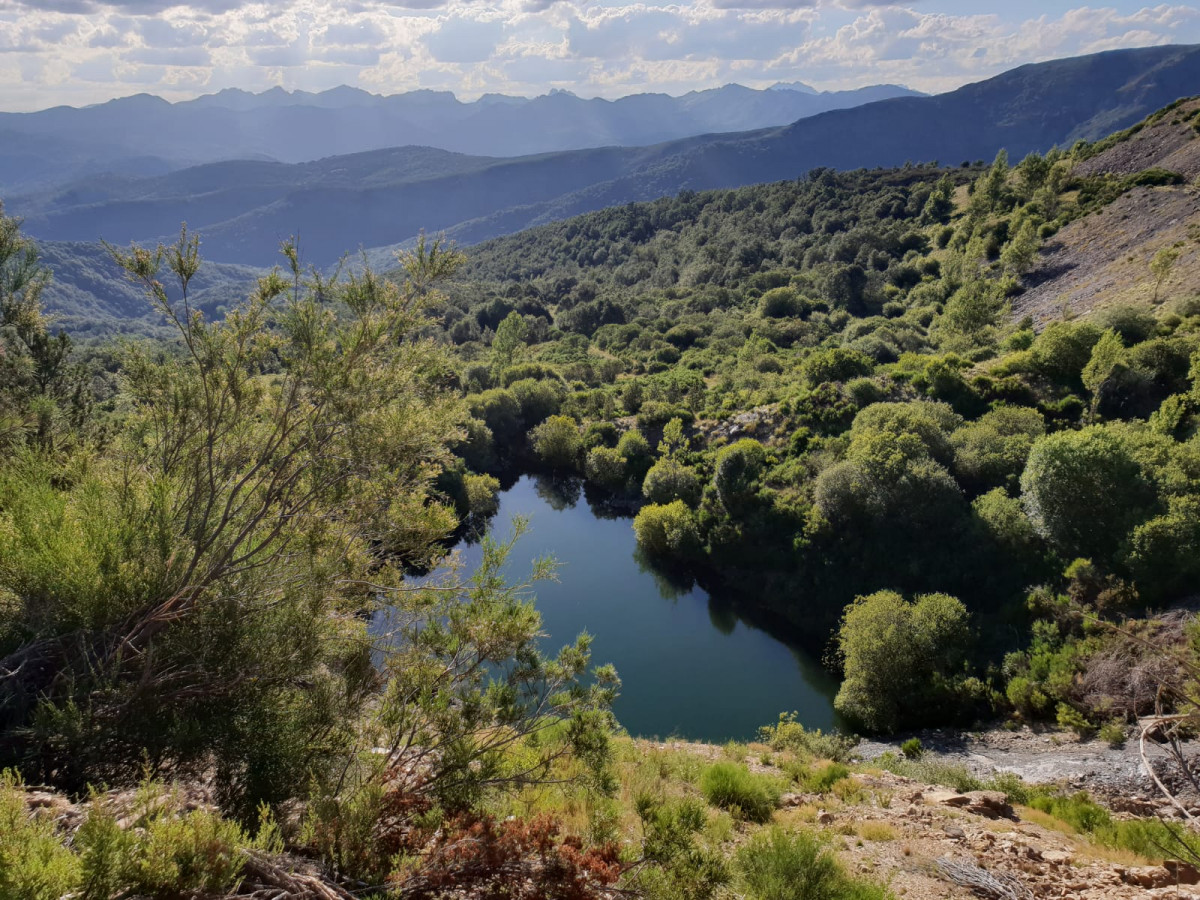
(517, 859)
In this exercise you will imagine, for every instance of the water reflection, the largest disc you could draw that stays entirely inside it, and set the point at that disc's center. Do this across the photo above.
(686, 666)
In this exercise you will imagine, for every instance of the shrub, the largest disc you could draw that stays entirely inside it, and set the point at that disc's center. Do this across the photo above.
(600, 434)
(481, 491)
(668, 530)
(1063, 349)
(605, 467)
(556, 442)
(912, 748)
(931, 771)
(778, 865)
(638, 456)
(669, 480)
(34, 864)
(788, 734)
(835, 364)
(1095, 470)
(538, 399)
(821, 779)
(900, 658)
(737, 470)
(735, 788)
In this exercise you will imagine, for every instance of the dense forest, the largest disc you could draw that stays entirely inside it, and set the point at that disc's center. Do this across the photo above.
(814, 392)
(813, 395)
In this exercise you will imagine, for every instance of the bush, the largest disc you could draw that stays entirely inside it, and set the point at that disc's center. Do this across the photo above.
(900, 658)
(481, 491)
(34, 864)
(735, 788)
(912, 748)
(931, 771)
(1063, 349)
(737, 471)
(605, 467)
(556, 442)
(638, 456)
(821, 779)
(835, 364)
(668, 530)
(788, 734)
(1095, 470)
(669, 480)
(778, 865)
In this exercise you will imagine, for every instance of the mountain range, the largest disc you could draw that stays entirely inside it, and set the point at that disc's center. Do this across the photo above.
(381, 199)
(146, 134)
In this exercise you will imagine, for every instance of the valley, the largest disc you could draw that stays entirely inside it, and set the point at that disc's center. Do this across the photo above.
(804, 511)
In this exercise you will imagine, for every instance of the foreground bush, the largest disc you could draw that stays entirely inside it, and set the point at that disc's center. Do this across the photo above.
(735, 788)
(777, 865)
(901, 659)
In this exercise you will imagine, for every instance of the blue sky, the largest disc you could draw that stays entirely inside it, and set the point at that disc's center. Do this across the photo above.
(86, 51)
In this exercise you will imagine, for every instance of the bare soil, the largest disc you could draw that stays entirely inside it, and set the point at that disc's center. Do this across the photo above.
(1104, 258)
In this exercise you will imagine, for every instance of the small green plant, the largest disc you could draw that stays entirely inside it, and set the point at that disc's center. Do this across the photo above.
(778, 865)
(820, 779)
(733, 787)
(1069, 717)
(1113, 733)
(930, 771)
(789, 735)
(912, 748)
(34, 863)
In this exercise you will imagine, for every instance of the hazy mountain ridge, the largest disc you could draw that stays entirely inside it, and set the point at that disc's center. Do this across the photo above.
(301, 127)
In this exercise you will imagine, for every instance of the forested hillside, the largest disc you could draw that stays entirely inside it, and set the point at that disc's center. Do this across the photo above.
(218, 670)
(818, 391)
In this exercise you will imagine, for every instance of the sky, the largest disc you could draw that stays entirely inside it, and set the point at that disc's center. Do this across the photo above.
(79, 52)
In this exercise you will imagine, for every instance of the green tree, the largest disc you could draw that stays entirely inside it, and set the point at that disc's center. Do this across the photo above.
(668, 480)
(1107, 362)
(1161, 266)
(737, 471)
(510, 338)
(668, 530)
(1084, 491)
(557, 442)
(900, 658)
(1021, 250)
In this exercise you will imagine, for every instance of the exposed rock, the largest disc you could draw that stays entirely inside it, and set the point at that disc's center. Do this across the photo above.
(1056, 857)
(1182, 872)
(824, 818)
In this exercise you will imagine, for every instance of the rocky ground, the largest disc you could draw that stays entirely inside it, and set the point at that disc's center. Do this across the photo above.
(926, 841)
(1104, 258)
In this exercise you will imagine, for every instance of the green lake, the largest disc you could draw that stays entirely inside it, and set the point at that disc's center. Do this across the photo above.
(689, 666)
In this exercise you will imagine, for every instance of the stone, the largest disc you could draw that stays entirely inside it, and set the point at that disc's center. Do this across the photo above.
(1147, 876)
(1182, 872)
(824, 818)
(1056, 857)
(955, 832)
(947, 798)
(992, 804)
(788, 800)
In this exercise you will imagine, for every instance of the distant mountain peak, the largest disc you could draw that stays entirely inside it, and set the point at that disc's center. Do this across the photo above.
(798, 86)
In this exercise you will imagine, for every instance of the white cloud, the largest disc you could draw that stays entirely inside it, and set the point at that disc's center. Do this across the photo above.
(81, 51)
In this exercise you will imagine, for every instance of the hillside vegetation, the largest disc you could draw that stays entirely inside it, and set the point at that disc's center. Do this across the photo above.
(819, 392)
(217, 671)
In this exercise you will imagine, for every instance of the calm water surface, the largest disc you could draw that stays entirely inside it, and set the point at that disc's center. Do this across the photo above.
(688, 667)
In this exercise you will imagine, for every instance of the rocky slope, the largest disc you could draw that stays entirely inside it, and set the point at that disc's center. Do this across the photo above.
(1104, 258)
